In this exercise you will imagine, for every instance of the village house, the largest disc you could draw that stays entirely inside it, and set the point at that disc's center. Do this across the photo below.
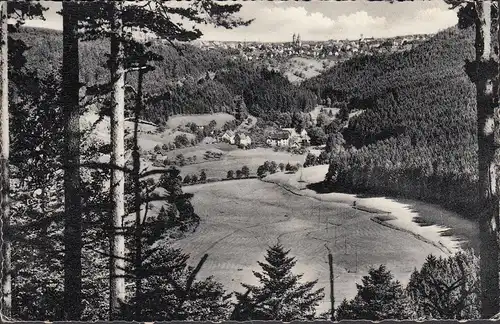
(278, 139)
(297, 139)
(228, 137)
(241, 139)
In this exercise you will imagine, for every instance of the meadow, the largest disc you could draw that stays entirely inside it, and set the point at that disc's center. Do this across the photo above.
(241, 218)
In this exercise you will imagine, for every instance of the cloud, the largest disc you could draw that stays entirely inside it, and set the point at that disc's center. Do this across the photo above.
(278, 20)
(279, 23)
(424, 21)
(360, 22)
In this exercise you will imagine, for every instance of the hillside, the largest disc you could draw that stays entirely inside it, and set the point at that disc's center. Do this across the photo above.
(186, 81)
(417, 135)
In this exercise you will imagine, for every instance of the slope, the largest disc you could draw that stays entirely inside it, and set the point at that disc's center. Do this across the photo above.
(417, 136)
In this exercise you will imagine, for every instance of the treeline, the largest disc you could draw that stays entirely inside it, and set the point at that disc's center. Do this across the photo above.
(187, 80)
(417, 134)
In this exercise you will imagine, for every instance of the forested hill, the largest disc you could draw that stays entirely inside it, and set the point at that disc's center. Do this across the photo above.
(191, 80)
(417, 133)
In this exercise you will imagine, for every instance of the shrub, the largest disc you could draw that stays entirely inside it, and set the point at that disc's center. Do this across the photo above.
(181, 141)
(245, 171)
(203, 176)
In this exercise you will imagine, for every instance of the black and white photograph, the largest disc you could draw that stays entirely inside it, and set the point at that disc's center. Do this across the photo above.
(220, 161)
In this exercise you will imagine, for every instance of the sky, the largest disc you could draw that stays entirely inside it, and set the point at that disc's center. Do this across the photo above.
(277, 21)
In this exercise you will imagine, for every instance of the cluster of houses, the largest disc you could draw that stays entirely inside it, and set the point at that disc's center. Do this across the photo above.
(288, 137)
(340, 49)
(285, 137)
(236, 138)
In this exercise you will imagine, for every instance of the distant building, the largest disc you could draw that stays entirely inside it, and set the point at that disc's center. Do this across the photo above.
(297, 139)
(278, 139)
(228, 137)
(241, 139)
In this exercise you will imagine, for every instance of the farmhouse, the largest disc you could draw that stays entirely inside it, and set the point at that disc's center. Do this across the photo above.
(228, 136)
(241, 139)
(297, 139)
(278, 139)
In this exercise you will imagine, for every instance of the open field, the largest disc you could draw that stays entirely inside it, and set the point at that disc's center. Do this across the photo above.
(445, 228)
(317, 110)
(297, 68)
(200, 120)
(240, 219)
(148, 135)
(236, 159)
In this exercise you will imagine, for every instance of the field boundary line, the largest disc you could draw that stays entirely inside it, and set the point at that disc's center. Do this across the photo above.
(417, 236)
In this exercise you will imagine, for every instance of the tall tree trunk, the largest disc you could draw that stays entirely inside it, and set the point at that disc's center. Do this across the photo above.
(137, 201)
(117, 244)
(72, 197)
(488, 218)
(6, 304)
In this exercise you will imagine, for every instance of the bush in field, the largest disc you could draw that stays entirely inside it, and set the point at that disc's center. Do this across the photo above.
(230, 174)
(281, 166)
(239, 174)
(181, 140)
(245, 171)
(311, 160)
(187, 179)
(194, 178)
(180, 159)
(261, 171)
(203, 176)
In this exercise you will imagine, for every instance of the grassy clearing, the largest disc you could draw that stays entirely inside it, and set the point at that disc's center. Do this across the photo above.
(200, 120)
(317, 110)
(240, 219)
(236, 159)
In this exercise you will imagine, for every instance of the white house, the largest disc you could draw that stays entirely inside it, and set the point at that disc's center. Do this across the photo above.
(297, 139)
(278, 139)
(242, 139)
(228, 136)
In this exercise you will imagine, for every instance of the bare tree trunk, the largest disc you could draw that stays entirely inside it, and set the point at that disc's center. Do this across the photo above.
(332, 292)
(137, 201)
(72, 197)
(117, 237)
(486, 108)
(6, 304)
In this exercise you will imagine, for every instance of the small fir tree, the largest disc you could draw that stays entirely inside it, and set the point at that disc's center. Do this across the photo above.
(379, 297)
(279, 296)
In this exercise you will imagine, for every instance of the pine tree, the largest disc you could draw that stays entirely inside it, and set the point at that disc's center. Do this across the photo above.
(379, 297)
(117, 238)
(72, 191)
(4, 170)
(280, 295)
(446, 288)
(171, 291)
(17, 11)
